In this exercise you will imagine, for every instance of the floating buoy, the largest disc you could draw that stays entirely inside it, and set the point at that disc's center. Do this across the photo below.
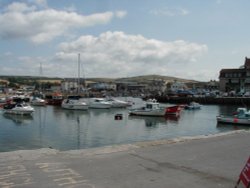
(118, 117)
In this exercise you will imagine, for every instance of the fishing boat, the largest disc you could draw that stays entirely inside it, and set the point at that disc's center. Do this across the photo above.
(151, 108)
(74, 103)
(18, 109)
(99, 103)
(241, 117)
(173, 110)
(54, 98)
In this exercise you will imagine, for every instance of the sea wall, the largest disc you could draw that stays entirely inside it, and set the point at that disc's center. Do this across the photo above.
(205, 100)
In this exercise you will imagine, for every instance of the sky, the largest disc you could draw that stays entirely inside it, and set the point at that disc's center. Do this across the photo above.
(115, 38)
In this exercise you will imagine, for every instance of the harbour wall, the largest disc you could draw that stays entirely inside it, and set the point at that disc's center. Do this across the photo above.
(243, 101)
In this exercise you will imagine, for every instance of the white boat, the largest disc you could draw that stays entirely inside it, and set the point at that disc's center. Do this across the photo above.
(19, 109)
(240, 117)
(99, 103)
(193, 106)
(36, 101)
(74, 103)
(152, 108)
(115, 103)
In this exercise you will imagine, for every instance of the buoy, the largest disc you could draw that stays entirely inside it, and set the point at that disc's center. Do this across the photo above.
(118, 117)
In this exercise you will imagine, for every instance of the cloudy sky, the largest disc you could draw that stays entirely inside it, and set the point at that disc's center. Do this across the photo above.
(115, 38)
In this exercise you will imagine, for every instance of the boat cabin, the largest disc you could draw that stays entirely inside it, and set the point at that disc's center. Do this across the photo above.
(242, 112)
(152, 104)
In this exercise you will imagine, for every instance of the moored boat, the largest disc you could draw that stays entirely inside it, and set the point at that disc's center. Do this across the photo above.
(36, 101)
(193, 106)
(116, 103)
(99, 103)
(173, 110)
(241, 117)
(4, 100)
(18, 109)
(54, 99)
(74, 103)
(152, 108)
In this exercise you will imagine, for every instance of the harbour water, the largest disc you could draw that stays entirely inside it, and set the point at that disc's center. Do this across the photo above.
(53, 127)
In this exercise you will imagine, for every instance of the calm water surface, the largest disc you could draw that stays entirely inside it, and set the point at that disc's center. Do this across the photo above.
(61, 129)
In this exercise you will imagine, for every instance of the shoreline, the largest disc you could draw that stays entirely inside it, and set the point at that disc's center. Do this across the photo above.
(208, 161)
(123, 147)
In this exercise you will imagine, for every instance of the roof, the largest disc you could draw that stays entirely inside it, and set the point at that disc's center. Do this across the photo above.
(231, 70)
(247, 63)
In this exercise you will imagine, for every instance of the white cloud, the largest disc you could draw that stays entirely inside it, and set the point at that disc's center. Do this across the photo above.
(19, 7)
(42, 3)
(167, 11)
(121, 14)
(20, 20)
(116, 54)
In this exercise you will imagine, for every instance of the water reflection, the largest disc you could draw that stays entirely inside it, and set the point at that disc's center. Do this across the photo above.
(62, 129)
(154, 122)
(151, 122)
(19, 119)
(233, 127)
(173, 118)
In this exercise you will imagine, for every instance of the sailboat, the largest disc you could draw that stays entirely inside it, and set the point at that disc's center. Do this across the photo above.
(37, 100)
(75, 102)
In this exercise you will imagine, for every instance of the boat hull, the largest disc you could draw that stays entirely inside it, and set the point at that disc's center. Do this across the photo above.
(75, 107)
(99, 103)
(56, 102)
(173, 110)
(100, 106)
(159, 113)
(233, 120)
(19, 112)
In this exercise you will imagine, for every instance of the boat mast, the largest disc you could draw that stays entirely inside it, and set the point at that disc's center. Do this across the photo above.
(40, 77)
(78, 81)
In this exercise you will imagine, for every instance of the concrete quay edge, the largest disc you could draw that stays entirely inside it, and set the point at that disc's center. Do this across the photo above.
(33, 154)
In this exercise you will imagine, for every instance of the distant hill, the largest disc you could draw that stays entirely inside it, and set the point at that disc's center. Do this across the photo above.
(156, 77)
(138, 79)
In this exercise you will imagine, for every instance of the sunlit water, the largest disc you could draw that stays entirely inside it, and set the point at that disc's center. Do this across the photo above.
(53, 127)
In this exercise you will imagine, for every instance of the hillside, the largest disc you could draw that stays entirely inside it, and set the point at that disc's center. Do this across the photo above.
(138, 79)
(155, 77)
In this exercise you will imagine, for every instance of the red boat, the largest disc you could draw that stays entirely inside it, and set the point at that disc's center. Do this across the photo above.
(173, 110)
(4, 101)
(54, 99)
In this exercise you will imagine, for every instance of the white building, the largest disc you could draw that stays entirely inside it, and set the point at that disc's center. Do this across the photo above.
(178, 86)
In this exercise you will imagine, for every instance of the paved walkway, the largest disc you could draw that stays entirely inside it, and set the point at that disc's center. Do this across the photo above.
(205, 162)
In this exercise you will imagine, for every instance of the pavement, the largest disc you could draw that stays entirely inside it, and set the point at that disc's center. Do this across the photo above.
(206, 161)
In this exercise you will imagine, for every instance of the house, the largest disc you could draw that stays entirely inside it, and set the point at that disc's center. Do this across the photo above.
(156, 86)
(3, 85)
(72, 85)
(236, 80)
(129, 86)
(98, 86)
(178, 86)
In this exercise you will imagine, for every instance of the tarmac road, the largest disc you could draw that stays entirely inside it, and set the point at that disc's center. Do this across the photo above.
(208, 161)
